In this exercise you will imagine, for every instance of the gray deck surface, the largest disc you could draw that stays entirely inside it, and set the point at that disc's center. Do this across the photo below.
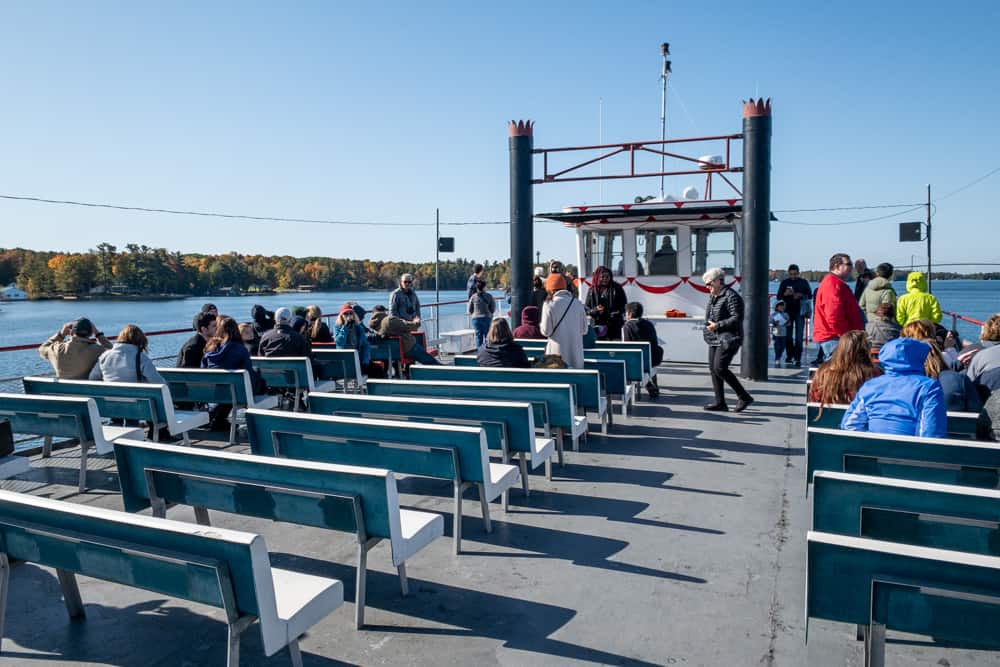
(679, 540)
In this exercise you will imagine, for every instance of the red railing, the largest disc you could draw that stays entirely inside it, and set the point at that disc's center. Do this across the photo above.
(955, 317)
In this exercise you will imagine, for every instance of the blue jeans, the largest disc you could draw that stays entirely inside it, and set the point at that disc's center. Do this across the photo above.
(420, 355)
(794, 333)
(779, 347)
(481, 325)
(828, 346)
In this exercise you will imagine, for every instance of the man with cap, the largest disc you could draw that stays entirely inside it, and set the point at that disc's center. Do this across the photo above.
(73, 359)
(403, 302)
(282, 340)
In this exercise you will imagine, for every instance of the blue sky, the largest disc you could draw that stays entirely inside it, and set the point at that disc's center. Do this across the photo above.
(384, 112)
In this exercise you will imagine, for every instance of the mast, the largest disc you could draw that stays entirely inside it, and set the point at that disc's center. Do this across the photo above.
(664, 51)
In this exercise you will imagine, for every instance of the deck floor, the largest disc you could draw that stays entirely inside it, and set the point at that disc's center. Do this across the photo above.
(679, 540)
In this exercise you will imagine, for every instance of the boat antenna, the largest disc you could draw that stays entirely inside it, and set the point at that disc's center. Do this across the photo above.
(664, 51)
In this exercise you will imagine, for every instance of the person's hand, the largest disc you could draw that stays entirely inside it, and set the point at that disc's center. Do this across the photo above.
(711, 326)
(66, 330)
(600, 308)
(416, 320)
(965, 357)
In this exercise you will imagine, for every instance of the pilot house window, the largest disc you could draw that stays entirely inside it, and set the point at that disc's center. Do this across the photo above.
(657, 252)
(604, 249)
(713, 247)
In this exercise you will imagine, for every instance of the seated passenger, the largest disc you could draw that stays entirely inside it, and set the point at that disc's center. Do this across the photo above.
(665, 260)
(882, 326)
(73, 359)
(984, 367)
(500, 349)
(282, 340)
(127, 361)
(263, 321)
(193, 348)
(318, 331)
(529, 324)
(988, 423)
(903, 401)
(638, 328)
(226, 350)
(390, 326)
(349, 334)
(960, 393)
(838, 380)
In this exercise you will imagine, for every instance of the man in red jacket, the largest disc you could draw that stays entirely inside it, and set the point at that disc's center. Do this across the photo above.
(835, 310)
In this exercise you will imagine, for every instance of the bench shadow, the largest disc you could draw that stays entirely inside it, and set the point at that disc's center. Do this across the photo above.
(683, 437)
(579, 472)
(520, 624)
(157, 631)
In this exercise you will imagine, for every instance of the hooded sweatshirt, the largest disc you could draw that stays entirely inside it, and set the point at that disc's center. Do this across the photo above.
(529, 324)
(902, 401)
(879, 291)
(917, 304)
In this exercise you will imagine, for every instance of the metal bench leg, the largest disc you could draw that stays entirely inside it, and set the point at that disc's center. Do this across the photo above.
(522, 463)
(294, 653)
(201, 516)
(875, 645)
(404, 584)
(560, 436)
(295, 400)
(487, 525)
(71, 593)
(232, 427)
(235, 629)
(4, 586)
(548, 469)
(83, 466)
(186, 438)
(359, 595)
(457, 517)
(608, 421)
(47, 447)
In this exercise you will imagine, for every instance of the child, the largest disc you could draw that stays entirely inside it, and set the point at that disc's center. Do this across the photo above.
(779, 323)
(638, 328)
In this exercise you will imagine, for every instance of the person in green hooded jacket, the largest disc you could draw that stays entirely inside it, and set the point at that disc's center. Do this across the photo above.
(878, 291)
(917, 303)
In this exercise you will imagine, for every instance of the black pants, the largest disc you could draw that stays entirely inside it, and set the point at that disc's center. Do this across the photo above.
(718, 366)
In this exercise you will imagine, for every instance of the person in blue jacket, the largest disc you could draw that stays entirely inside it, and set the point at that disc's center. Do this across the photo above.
(902, 401)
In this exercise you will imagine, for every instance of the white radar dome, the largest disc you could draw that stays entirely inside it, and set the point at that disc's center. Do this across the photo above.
(690, 192)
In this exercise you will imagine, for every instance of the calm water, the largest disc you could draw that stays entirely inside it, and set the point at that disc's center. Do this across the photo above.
(25, 322)
(32, 322)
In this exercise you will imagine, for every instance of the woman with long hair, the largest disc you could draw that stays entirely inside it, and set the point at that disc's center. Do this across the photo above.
(318, 331)
(127, 361)
(960, 392)
(838, 380)
(226, 350)
(606, 303)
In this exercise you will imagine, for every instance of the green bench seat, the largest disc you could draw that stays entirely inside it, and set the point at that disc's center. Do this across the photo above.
(294, 374)
(222, 568)
(960, 424)
(362, 501)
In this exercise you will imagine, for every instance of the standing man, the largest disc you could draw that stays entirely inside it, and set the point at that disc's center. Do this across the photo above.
(794, 290)
(835, 311)
(477, 275)
(864, 276)
(403, 302)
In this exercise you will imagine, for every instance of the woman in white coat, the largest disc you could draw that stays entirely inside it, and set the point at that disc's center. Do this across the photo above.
(564, 322)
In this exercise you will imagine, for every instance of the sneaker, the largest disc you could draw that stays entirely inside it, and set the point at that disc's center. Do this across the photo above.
(743, 404)
(716, 407)
(652, 389)
(798, 363)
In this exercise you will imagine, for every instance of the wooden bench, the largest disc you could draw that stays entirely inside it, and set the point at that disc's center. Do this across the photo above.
(949, 595)
(137, 401)
(509, 426)
(340, 365)
(590, 395)
(554, 405)
(613, 375)
(362, 501)
(940, 460)
(221, 568)
(960, 424)
(294, 374)
(455, 453)
(63, 417)
(216, 385)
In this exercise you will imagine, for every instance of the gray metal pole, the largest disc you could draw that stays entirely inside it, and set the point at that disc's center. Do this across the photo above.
(664, 51)
(437, 274)
(756, 237)
(928, 237)
(521, 211)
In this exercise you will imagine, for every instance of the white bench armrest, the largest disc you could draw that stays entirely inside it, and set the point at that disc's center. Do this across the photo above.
(303, 600)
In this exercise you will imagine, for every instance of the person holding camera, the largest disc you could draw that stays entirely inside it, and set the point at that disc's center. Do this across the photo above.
(795, 292)
(349, 334)
(73, 359)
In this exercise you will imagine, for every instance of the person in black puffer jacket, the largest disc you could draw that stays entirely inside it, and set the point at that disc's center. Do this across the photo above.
(606, 303)
(724, 335)
(500, 349)
(282, 340)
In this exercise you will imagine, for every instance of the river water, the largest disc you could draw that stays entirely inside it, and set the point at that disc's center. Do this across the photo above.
(28, 322)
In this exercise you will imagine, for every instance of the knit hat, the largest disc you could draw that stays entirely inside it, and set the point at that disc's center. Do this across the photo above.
(360, 311)
(554, 283)
(283, 315)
